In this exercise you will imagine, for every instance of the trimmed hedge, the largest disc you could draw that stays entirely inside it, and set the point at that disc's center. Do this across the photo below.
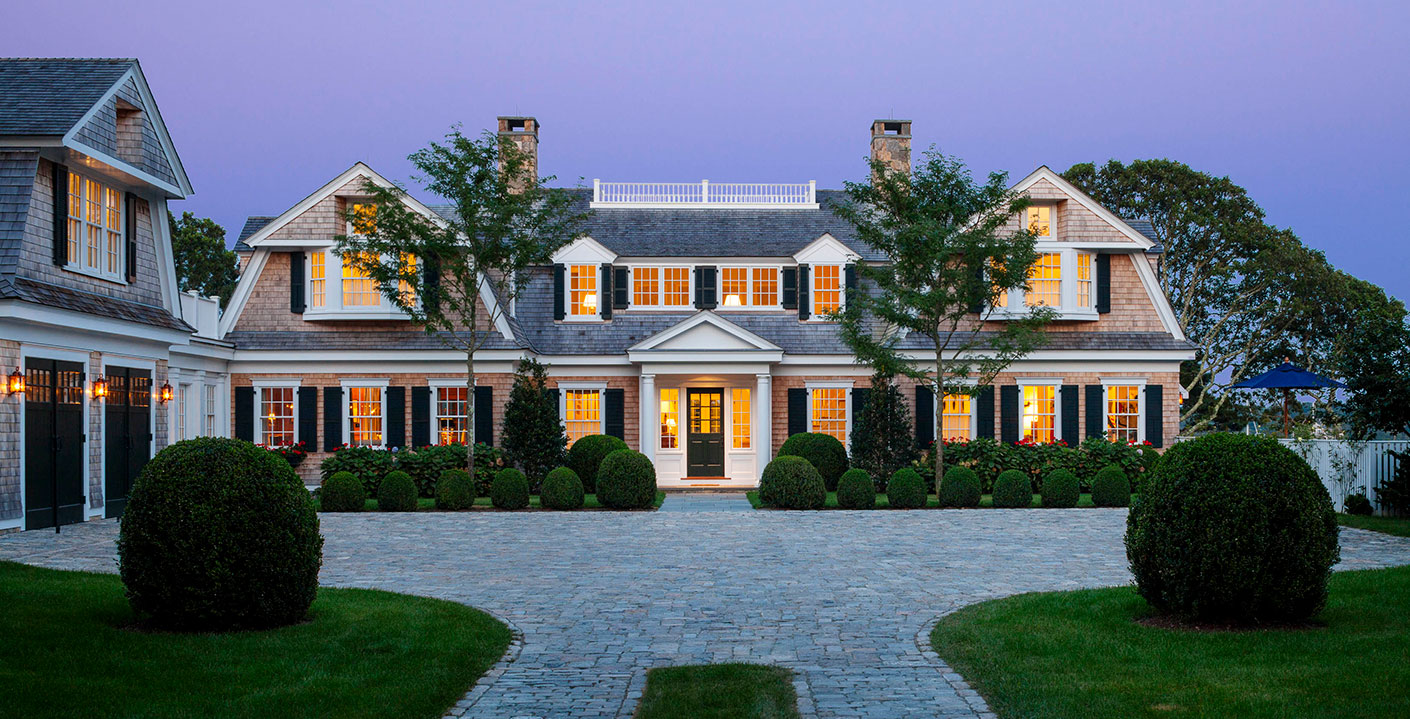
(342, 492)
(855, 490)
(988, 457)
(510, 489)
(219, 534)
(1232, 527)
(906, 490)
(626, 479)
(562, 489)
(397, 493)
(791, 482)
(823, 451)
(1061, 489)
(1358, 504)
(455, 490)
(1013, 489)
(1111, 488)
(959, 488)
(425, 465)
(586, 455)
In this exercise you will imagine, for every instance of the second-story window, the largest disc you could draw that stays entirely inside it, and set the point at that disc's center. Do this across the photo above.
(317, 278)
(734, 286)
(1040, 221)
(95, 242)
(1045, 282)
(765, 286)
(358, 289)
(646, 286)
(1063, 279)
(1084, 279)
(582, 291)
(660, 287)
(364, 219)
(827, 289)
(749, 287)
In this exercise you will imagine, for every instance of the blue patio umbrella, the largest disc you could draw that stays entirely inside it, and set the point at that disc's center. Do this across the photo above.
(1287, 378)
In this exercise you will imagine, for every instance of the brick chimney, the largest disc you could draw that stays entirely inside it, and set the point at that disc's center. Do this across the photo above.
(891, 144)
(524, 133)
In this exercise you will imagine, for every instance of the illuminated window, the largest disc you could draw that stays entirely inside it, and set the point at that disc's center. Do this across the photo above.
(676, 292)
(646, 285)
(582, 290)
(1123, 413)
(740, 417)
(1039, 418)
(276, 413)
(670, 418)
(364, 219)
(365, 416)
(766, 286)
(734, 286)
(318, 276)
(95, 240)
(1045, 281)
(829, 414)
(827, 288)
(452, 415)
(955, 417)
(1084, 279)
(358, 289)
(582, 413)
(1040, 221)
(406, 289)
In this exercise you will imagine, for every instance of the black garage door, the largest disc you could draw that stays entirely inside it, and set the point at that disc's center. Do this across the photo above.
(127, 442)
(53, 443)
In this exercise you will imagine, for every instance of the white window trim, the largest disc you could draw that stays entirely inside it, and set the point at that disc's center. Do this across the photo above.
(333, 308)
(846, 400)
(81, 246)
(1067, 290)
(749, 287)
(689, 305)
(436, 385)
(729, 432)
(379, 383)
(681, 411)
(210, 409)
(568, 315)
(259, 386)
(1057, 402)
(601, 388)
(1107, 384)
(1052, 235)
(813, 315)
(973, 413)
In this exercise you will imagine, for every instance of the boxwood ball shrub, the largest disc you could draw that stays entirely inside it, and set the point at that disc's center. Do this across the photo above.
(1013, 489)
(342, 492)
(905, 489)
(959, 488)
(586, 455)
(855, 490)
(397, 493)
(455, 490)
(823, 451)
(626, 479)
(219, 534)
(1061, 489)
(562, 489)
(1111, 488)
(510, 489)
(791, 482)
(1233, 527)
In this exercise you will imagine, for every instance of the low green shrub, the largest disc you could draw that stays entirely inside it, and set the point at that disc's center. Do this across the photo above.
(823, 451)
(342, 492)
(1013, 489)
(855, 490)
(367, 464)
(1358, 504)
(792, 482)
(562, 489)
(455, 490)
(510, 489)
(1111, 488)
(1061, 489)
(397, 493)
(586, 455)
(959, 488)
(626, 479)
(425, 465)
(906, 490)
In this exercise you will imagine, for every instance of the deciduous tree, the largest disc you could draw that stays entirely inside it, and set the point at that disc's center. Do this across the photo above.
(202, 261)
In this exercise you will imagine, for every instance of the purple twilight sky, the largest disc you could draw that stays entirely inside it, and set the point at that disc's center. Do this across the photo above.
(1305, 104)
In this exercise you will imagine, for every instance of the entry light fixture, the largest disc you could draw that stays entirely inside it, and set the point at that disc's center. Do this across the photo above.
(16, 383)
(100, 388)
(166, 392)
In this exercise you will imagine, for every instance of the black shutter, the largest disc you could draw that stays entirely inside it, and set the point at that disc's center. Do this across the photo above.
(614, 406)
(396, 417)
(850, 281)
(129, 206)
(420, 416)
(431, 300)
(925, 417)
(978, 307)
(803, 301)
(484, 415)
(705, 288)
(1103, 283)
(308, 417)
(332, 418)
(245, 413)
(607, 294)
(1155, 415)
(61, 215)
(1008, 414)
(1096, 396)
(553, 397)
(558, 307)
(984, 414)
(797, 410)
(621, 288)
(1071, 430)
(860, 395)
(790, 288)
(297, 304)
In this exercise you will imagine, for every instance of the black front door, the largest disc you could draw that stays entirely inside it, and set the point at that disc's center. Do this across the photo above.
(127, 437)
(53, 443)
(705, 433)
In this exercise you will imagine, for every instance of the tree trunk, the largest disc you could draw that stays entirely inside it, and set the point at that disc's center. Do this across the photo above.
(470, 412)
(938, 407)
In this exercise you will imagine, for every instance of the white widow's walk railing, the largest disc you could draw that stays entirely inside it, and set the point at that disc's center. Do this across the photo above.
(738, 195)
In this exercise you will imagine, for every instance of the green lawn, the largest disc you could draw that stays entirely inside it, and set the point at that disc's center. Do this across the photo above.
(68, 649)
(1080, 654)
(719, 691)
(1399, 526)
(427, 505)
(931, 502)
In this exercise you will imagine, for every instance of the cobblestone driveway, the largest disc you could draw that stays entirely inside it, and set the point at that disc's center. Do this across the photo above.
(843, 598)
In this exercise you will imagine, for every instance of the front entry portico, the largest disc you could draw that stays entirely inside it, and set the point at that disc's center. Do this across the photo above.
(705, 433)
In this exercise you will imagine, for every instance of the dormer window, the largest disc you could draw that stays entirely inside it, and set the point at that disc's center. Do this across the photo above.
(317, 279)
(364, 219)
(749, 287)
(358, 289)
(827, 289)
(582, 291)
(1045, 282)
(1063, 279)
(1040, 221)
(95, 228)
(1084, 280)
(660, 287)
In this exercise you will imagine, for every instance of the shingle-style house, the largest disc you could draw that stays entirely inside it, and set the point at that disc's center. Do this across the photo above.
(91, 319)
(689, 321)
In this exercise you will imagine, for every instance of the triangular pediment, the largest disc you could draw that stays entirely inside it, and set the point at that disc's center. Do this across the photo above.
(705, 332)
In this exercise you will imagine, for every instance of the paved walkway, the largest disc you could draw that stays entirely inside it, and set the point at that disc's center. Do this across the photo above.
(706, 502)
(843, 598)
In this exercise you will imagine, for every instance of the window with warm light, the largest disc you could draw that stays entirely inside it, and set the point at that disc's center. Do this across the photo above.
(276, 411)
(1045, 282)
(829, 415)
(660, 287)
(670, 418)
(365, 417)
(827, 289)
(582, 413)
(317, 279)
(765, 286)
(364, 219)
(452, 415)
(1123, 413)
(406, 289)
(358, 288)
(734, 286)
(582, 290)
(646, 286)
(95, 227)
(1084, 279)
(955, 417)
(1040, 221)
(1039, 416)
(740, 417)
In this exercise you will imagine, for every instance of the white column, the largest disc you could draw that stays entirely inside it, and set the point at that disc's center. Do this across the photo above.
(647, 415)
(763, 419)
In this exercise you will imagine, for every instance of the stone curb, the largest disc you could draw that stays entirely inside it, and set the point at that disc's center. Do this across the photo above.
(962, 688)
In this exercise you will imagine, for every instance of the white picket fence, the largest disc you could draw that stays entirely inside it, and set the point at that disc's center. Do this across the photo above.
(1347, 467)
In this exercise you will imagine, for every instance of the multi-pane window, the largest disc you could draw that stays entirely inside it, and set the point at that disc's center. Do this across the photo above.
(1040, 221)
(661, 286)
(358, 289)
(749, 286)
(95, 239)
(955, 417)
(452, 415)
(364, 218)
(646, 285)
(406, 289)
(1045, 281)
(317, 278)
(740, 417)
(734, 286)
(181, 411)
(675, 286)
(1039, 417)
(827, 288)
(208, 426)
(670, 418)
(765, 286)
(1084, 279)
(582, 290)
(582, 413)
(365, 416)
(1123, 413)
(276, 416)
(829, 415)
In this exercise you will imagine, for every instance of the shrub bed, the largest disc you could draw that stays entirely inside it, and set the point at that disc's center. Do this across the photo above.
(397, 493)
(823, 451)
(586, 455)
(1061, 489)
(988, 458)
(562, 489)
(1111, 488)
(510, 489)
(455, 490)
(959, 488)
(792, 482)
(342, 492)
(424, 465)
(1358, 504)
(855, 490)
(626, 479)
(1013, 489)
(906, 490)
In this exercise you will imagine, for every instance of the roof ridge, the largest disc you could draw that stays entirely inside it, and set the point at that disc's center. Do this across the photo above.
(71, 59)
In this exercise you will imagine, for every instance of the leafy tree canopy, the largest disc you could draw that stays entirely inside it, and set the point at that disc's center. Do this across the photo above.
(202, 261)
